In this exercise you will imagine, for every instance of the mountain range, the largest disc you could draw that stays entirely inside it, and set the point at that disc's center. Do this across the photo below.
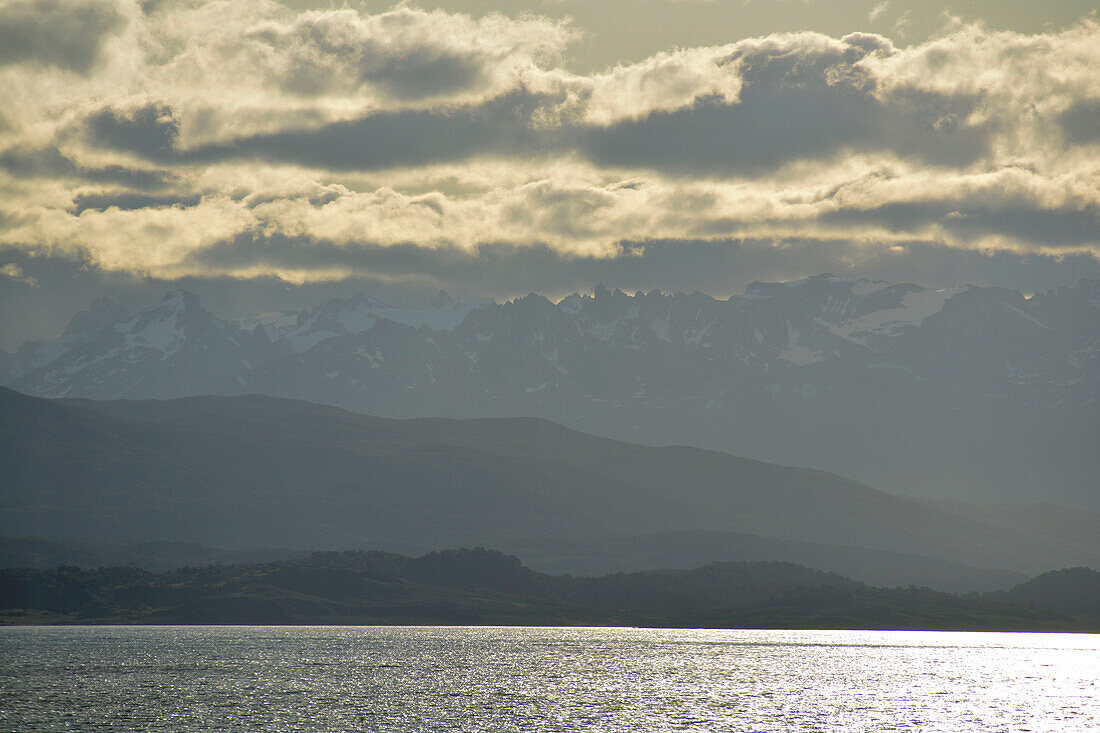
(259, 472)
(968, 393)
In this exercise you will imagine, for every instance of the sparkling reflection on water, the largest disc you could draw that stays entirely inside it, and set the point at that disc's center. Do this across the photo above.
(543, 679)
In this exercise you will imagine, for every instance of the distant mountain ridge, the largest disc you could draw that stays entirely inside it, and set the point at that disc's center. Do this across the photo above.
(256, 472)
(972, 393)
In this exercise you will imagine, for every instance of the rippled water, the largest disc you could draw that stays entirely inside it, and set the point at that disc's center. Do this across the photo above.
(548, 679)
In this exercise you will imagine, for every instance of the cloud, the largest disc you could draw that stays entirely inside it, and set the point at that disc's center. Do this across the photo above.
(14, 272)
(275, 70)
(576, 209)
(720, 267)
(382, 140)
(410, 275)
(902, 24)
(128, 201)
(248, 140)
(405, 53)
(775, 125)
(149, 130)
(1043, 227)
(665, 82)
(1080, 121)
(763, 104)
(68, 34)
(51, 163)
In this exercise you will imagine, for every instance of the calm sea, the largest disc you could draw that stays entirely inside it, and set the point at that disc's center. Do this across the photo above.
(543, 679)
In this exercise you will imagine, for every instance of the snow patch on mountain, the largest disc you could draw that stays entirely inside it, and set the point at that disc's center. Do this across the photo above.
(916, 307)
(274, 324)
(362, 313)
(434, 318)
(158, 329)
(796, 352)
(661, 328)
(163, 334)
(868, 287)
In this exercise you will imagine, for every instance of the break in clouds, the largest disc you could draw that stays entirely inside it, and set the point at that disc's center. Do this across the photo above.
(246, 140)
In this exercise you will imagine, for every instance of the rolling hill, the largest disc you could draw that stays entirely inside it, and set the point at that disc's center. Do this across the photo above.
(257, 472)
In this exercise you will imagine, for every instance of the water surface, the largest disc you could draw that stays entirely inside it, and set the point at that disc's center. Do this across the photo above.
(543, 679)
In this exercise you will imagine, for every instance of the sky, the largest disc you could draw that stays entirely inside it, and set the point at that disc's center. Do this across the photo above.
(270, 156)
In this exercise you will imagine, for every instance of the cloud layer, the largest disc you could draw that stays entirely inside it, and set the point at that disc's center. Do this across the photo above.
(245, 140)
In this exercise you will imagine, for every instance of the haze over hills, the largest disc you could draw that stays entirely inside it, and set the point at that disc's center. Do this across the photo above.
(254, 472)
(971, 393)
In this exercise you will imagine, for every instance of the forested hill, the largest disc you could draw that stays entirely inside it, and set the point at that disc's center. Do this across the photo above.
(486, 587)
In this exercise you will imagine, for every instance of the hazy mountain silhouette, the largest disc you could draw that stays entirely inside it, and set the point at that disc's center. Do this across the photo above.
(254, 472)
(972, 393)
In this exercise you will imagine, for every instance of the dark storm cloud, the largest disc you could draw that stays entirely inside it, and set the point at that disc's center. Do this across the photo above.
(719, 267)
(1051, 227)
(51, 163)
(37, 163)
(63, 33)
(421, 74)
(766, 129)
(799, 100)
(382, 140)
(1081, 122)
(404, 53)
(401, 260)
(128, 201)
(770, 127)
(150, 131)
(228, 118)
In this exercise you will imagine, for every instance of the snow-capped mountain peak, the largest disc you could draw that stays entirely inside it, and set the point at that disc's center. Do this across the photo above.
(857, 363)
(180, 300)
(350, 316)
(170, 349)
